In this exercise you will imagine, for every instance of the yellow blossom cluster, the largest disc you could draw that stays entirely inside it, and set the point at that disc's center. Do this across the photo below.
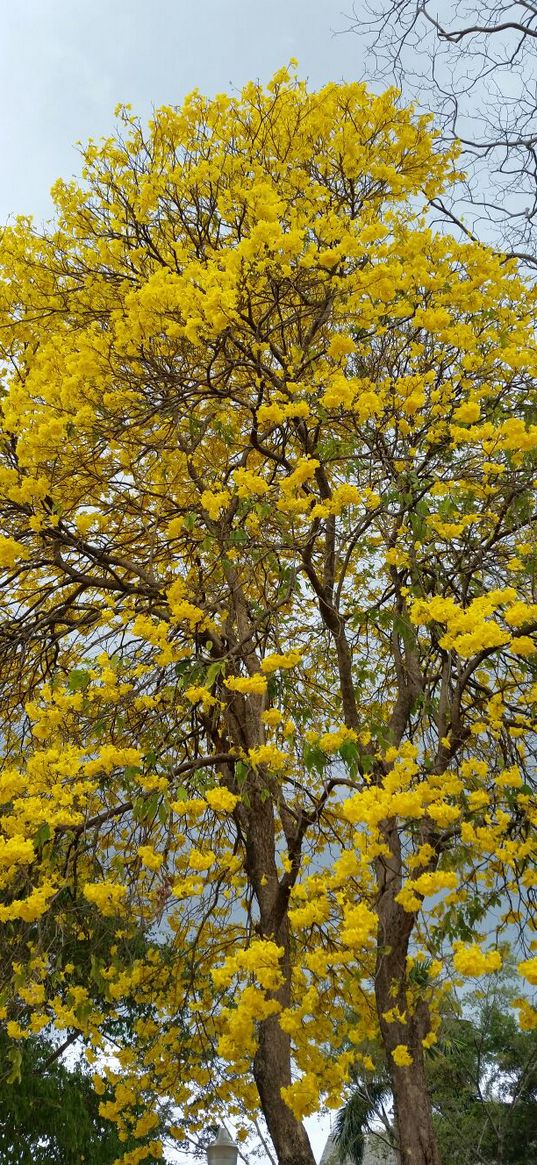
(471, 630)
(473, 961)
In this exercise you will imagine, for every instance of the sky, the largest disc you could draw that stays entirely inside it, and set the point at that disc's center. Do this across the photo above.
(65, 65)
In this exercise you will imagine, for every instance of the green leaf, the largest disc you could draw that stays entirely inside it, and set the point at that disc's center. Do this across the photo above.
(241, 770)
(314, 759)
(14, 1056)
(130, 772)
(163, 812)
(348, 752)
(214, 670)
(96, 970)
(144, 808)
(43, 834)
(79, 680)
(405, 629)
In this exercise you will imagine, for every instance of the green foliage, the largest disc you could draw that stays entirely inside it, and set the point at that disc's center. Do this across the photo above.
(483, 1084)
(370, 1093)
(49, 1113)
(482, 1078)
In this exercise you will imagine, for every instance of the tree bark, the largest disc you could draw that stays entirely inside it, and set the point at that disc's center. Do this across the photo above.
(272, 1062)
(398, 1025)
(258, 829)
(272, 1071)
(413, 1112)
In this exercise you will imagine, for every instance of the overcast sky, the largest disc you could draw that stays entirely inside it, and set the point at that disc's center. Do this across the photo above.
(65, 64)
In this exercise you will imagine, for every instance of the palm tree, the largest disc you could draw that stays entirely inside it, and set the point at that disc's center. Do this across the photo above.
(367, 1100)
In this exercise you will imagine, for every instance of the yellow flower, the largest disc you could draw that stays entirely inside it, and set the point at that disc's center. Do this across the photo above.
(340, 345)
(437, 880)
(528, 969)
(214, 502)
(523, 645)
(108, 897)
(34, 906)
(249, 484)
(302, 1097)
(201, 861)
(269, 755)
(401, 1056)
(16, 850)
(469, 412)
(272, 717)
(197, 694)
(303, 472)
(11, 551)
(255, 685)
(274, 662)
(149, 858)
(527, 1015)
(359, 925)
(270, 414)
(222, 800)
(15, 1031)
(181, 608)
(472, 961)
(331, 741)
(521, 613)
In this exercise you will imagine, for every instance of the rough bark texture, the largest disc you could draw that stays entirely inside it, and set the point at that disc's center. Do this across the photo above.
(258, 829)
(272, 1064)
(417, 1141)
(272, 1072)
(412, 1103)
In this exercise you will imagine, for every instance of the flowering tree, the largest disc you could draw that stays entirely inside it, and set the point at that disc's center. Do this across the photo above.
(267, 611)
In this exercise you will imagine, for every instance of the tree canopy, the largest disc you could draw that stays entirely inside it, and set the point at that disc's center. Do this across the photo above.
(267, 611)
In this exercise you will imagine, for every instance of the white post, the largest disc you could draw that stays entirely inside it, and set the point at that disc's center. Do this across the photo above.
(223, 1150)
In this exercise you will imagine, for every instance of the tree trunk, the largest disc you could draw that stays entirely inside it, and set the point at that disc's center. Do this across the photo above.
(399, 1026)
(271, 1073)
(272, 1066)
(256, 821)
(413, 1113)
(272, 1062)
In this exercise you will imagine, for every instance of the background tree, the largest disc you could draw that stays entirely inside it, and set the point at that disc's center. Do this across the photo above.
(268, 611)
(484, 1083)
(474, 66)
(368, 1103)
(482, 1077)
(49, 1110)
